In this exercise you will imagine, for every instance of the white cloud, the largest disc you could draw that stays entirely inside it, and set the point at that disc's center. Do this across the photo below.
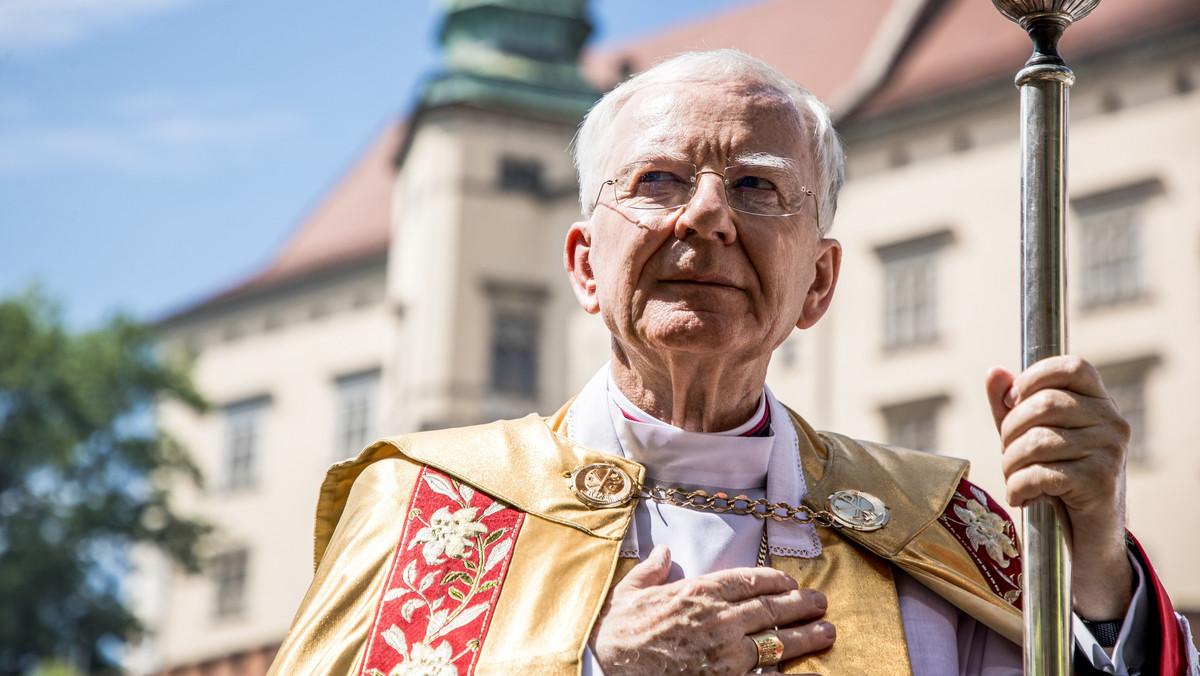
(147, 133)
(28, 25)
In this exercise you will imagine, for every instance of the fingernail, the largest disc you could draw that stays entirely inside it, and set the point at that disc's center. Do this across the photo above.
(1010, 397)
(828, 631)
(819, 600)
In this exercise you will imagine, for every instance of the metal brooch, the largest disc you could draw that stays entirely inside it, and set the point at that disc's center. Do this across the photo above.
(857, 510)
(601, 485)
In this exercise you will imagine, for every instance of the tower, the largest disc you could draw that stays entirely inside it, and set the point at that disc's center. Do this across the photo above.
(485, 193)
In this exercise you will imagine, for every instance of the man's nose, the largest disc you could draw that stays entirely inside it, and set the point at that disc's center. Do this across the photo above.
(707, 213)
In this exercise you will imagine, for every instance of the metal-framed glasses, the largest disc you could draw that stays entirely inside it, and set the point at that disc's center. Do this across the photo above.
(749, 188)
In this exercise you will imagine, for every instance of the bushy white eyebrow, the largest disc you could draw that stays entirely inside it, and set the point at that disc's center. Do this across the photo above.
(767, 160)
(656, 151)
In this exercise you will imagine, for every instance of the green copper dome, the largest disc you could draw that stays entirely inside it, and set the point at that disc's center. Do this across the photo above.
(514, 54)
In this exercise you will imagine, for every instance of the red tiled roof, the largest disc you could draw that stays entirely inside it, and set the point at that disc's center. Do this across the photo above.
(818, 43)
(352, 223)
(969, 42)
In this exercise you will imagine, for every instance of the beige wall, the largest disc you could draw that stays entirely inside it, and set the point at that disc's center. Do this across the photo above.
(324, 333)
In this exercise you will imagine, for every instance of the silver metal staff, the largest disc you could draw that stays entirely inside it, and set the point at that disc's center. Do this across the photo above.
(1043, 83)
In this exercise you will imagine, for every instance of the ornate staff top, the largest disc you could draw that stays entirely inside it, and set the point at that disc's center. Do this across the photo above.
(1045, 21)
(1023, 11)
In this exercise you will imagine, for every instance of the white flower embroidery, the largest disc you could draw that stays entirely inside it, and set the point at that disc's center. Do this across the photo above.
(426, 661)
(986, 529)
(448, 533)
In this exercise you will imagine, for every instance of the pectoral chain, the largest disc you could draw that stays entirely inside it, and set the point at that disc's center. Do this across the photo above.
(721, 503)
(602, 485)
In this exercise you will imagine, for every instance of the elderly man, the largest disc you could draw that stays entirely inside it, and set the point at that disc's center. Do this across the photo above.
(626, 533)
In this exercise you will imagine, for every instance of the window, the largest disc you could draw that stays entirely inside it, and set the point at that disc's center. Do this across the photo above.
(357, 402)
(515, 336)
(514, 354)
(1110, 228)
(520, 174)
(911, 290)
(229, 571)
(1126, 384)
(243, 423)
(914, 424)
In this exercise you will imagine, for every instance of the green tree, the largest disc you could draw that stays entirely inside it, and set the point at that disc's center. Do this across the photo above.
(83, 471)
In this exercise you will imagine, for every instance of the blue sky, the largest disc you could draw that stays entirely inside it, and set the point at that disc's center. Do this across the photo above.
(154, 151)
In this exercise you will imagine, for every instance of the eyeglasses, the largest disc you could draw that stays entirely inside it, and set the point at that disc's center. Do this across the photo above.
(669, 184)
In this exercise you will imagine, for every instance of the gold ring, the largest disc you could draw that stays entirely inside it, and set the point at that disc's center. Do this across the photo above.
(770, 648)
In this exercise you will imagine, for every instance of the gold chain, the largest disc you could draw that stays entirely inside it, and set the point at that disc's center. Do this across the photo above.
(701, 501)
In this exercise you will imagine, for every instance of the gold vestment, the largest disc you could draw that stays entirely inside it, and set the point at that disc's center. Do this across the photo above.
(565, 556)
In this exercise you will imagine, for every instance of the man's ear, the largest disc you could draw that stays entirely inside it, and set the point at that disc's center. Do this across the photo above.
(820, 292)
(576, 258)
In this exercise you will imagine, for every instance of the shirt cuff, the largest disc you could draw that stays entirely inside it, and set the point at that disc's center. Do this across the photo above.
(1131, 644)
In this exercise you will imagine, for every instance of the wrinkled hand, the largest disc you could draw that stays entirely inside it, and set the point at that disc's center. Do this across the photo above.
(701, 625)
(1064, 437)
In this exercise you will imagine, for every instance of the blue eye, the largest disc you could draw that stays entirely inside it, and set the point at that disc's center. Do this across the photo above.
(658, 176)
(753, 183)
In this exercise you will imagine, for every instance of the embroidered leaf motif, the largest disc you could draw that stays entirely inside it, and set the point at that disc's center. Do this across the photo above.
(393, 594)
(487, 585)
(442, 486)
(467, 493)
(458, 576)
(498, 553)
(437, 603)
(493, 536)
(455, 594)
(979, 494)
(410, 606)
(395, 638)
(470, 565)
(436, 621)
(426, 581)
(493, 508)
(466, 617)
(410, 573)
(473, 645)
(413, 513)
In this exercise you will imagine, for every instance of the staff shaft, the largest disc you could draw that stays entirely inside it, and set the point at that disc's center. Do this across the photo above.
(1044, 83)
(1048, 638)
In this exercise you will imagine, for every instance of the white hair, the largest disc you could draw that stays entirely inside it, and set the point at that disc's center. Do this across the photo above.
(722, 66)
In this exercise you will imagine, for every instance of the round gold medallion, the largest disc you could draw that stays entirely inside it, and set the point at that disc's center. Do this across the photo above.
(857, 510)
(601, 485)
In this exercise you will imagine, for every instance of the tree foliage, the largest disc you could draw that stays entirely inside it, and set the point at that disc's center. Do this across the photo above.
(83, 471)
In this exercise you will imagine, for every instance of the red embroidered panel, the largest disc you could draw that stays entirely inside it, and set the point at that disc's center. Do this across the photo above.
(983, 528)
(442, 586)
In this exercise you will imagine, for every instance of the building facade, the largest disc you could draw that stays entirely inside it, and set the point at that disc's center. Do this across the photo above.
(428, 290)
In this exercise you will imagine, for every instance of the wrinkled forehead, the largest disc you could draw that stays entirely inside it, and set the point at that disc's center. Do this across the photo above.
(709, 125)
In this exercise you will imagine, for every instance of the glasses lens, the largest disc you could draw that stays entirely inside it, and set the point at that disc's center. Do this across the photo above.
(654, 184)
(769, 191)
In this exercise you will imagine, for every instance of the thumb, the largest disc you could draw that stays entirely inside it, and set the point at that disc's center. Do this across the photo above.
(999, 383)
(651, 572)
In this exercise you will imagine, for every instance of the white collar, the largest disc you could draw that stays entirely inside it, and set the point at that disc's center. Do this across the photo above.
(594, 420)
